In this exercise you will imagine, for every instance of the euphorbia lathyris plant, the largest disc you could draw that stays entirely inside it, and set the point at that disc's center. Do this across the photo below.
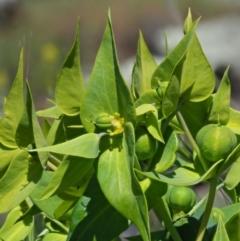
(107, 154)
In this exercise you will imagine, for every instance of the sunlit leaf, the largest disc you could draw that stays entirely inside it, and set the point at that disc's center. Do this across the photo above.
(70, 85)
(13, 109)
(143, 69)
(106, 89)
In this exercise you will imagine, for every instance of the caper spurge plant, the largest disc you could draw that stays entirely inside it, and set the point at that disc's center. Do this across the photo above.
(106, 154)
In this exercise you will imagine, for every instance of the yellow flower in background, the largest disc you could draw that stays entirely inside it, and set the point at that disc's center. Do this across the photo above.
(49, 53)
(3, 77)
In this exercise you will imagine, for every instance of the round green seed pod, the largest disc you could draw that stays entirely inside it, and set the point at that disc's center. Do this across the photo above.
(181, 198)
(103, 121)
(216, 142)
(146, 145)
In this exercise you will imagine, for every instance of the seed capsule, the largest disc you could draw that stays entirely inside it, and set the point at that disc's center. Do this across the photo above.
(216, 142)
(181, 198)
(103, 121)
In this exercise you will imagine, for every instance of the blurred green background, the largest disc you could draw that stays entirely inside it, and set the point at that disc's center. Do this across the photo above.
(46, 29)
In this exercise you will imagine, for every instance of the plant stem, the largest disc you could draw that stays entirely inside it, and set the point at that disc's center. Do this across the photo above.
(208, 208)
(191, 140)
(51, 166)
(162, 214)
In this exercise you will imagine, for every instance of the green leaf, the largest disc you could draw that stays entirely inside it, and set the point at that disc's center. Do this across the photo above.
(149, 97)
(143, 69)
(221, 102)
(94, 217)
(233, 178)
(70, 85)
(165, 155)
(6, 158)
(46, 127)
(19, 181)
(29, 130)
(232, 157)
(115, 172)
(171, 96)
(234, 120)
(221, 233)
(13, 109)
(71, 170)
(232, 228)
(106, 90)
(198, 79)
(52, 112)
(15, 231)
(165, 70)
(195, 114)
(183, 176)
(86, 146)
(55, 237)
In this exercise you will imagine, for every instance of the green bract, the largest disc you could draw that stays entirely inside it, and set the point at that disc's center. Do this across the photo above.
(181, 199)
(146, 145)
(216, 142)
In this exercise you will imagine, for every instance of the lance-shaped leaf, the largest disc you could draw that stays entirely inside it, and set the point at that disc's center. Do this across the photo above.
(198, 79)
(171, 97)
(165, 155)
(234, 120)
(71, 170)
(221, 102)
(233, 178)
(183, 176)
(143, 69)
(13, 109)
(149, 115)
(83, 146)
(70, 85)
(106, 90)
(13, 230)
(115, 174)
(94, 217)
(221, 233)
(29, 130)
(51, 112)
(165, 70)
(19, 180)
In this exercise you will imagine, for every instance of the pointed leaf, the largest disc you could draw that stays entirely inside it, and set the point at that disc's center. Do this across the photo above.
(106, 90)
(69, 172)
(93, 216)
(13, 230)
(165, 155)
(165, 70)
(183, 176)
(13, 109)
(19, 180)
(198, 79)
(83, 146)
(115, 172)
(234, 120)
(221, 233)
(171, 97)
(143, 69)
(70, 85)
(233, 178)
(52, 112)
(221, 102)
(55, 237)
(29, 130)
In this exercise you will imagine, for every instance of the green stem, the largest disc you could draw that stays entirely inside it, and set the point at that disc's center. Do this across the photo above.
(51, 166)
(208, 208)
(191, 140)
(162, 214)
